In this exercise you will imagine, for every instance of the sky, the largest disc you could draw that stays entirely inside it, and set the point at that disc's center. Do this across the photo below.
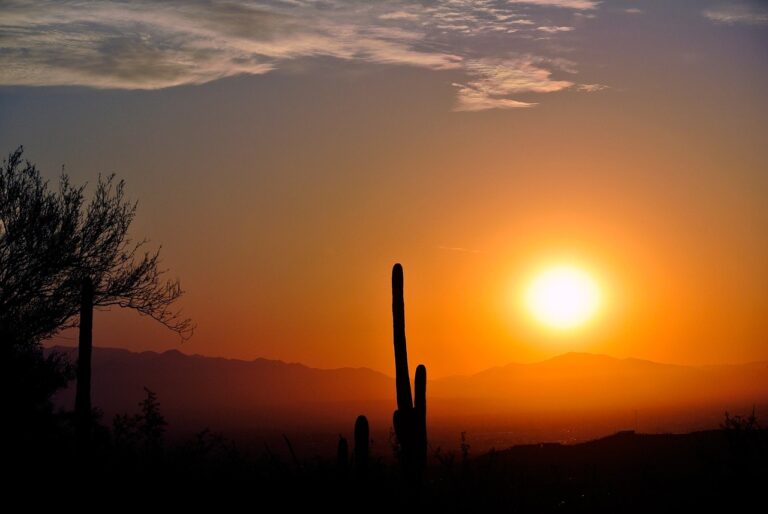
(286, 153)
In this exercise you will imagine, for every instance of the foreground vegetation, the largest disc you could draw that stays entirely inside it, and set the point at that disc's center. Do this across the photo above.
(626, 472)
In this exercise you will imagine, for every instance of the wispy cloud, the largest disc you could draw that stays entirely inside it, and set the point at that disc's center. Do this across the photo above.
(458, 249)
(741, 13)
(399, 15)
(495, 80)
(471, 99)
(568, 4)
(591, 88)
(152, 44)
(554, 29)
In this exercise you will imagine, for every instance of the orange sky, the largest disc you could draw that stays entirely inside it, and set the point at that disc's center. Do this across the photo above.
(282, 197)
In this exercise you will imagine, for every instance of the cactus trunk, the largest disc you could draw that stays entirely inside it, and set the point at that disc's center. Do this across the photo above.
(85, 349)
(402, 378)
(410, 418)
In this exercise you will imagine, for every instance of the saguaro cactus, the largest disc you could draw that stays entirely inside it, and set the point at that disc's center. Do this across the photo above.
(84, 351)
(410, 418)
(342, 456)
(362, 439)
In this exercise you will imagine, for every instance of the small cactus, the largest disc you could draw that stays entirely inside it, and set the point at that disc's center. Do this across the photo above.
(362, 438)
(342, 456)
(410, 418)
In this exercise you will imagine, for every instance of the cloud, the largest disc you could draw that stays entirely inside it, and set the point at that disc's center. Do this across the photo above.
(591, 88)
(399, 15)
(458, 249)
(568, 4)
(745, 14)
(633, 10)
(153, 44)
(469, 99)
(554, 29)
(495, 80)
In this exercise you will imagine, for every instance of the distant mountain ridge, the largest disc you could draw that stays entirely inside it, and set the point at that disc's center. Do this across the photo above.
(587, 381)
(198, 389)
(210, 391)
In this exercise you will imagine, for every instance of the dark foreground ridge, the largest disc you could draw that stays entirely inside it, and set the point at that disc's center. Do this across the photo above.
(631, 472)
(625, 472)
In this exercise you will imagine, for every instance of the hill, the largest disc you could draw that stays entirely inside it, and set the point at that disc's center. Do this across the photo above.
(573, 397)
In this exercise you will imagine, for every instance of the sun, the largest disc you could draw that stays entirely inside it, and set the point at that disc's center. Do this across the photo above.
(563, 297)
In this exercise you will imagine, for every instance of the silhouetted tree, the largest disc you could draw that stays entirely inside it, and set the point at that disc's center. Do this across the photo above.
(51, 240)
(142, 431)
(152, 426)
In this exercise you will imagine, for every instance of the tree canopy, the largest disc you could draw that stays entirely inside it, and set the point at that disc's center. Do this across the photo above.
(51, 239)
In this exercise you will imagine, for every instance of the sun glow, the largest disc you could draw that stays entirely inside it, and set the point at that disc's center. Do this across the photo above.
(563, 297)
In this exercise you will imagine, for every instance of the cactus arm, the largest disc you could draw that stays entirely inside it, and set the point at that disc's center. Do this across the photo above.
(420, 408)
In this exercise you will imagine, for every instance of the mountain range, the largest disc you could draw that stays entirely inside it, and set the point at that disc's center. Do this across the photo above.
(571, 397)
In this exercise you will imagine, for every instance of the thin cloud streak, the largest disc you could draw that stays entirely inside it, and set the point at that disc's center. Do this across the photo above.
(591, 88)
(567, 4)
(458, 249)
(741, 14)
(554, 29)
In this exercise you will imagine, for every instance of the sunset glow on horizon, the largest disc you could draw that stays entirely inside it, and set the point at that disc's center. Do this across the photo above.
(285, 154)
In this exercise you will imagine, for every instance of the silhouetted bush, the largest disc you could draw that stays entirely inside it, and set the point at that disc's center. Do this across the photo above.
(740, 423)
(142, 432)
